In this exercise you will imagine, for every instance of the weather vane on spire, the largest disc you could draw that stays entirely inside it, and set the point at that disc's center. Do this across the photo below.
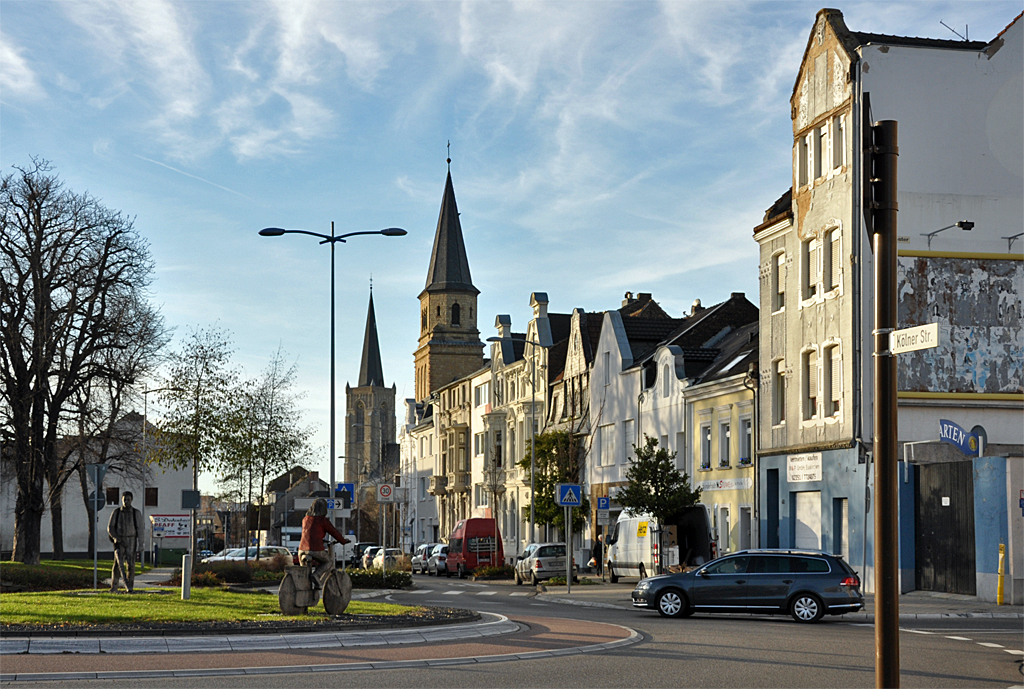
(449, 155)
(371, 283)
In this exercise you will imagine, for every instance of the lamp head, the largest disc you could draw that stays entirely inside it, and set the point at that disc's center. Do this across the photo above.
(494, 339)
(271, 232)
(965, 225)
(394, 232)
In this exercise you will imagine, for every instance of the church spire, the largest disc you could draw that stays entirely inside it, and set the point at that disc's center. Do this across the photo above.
(449, 267)
(371, 372)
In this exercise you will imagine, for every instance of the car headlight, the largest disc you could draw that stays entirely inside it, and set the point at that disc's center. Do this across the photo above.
(643, 585)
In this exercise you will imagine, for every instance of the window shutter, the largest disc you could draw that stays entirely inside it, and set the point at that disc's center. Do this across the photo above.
(812, 265)
(812, 374)
(837, 375)
(835, 260)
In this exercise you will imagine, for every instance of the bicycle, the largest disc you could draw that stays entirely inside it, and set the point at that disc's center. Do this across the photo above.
(298, 592)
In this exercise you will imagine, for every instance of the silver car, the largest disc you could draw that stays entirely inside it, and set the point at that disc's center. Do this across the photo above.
(437, 562)
(420, 557)
(541, 561)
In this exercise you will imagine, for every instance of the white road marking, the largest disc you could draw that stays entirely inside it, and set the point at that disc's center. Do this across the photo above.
(916, 631)
(452, 593)
(486, 593)
(989, 644)
(958, 638)
(1014, 651)
(519, 593)
(423, 591)
(541, 605)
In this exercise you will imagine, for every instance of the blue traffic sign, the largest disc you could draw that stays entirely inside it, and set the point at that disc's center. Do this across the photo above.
(568, 494)
(604, 503)
(349, 488)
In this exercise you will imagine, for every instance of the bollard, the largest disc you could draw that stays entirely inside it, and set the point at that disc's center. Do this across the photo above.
(186, 577)
(1002, 571)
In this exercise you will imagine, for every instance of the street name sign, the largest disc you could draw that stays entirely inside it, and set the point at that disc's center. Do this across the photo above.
(911, 339)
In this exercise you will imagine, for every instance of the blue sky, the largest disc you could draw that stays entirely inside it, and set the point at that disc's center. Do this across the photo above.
(597, 148)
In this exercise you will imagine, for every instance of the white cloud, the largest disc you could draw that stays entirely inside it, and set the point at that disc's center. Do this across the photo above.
(17, 80)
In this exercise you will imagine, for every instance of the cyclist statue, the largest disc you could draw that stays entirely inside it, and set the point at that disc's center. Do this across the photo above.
(316, 525)
(302, 586)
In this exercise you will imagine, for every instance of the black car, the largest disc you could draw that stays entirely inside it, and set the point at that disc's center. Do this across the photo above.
(806, 584)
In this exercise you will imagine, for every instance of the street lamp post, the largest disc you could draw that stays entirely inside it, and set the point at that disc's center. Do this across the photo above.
(332, 239)
(533, 427)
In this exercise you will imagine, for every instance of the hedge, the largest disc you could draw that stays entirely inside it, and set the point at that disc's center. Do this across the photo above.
(373, 579)
(42, 578)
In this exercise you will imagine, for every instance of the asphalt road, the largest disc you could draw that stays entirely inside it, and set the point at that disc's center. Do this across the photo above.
(701, 651)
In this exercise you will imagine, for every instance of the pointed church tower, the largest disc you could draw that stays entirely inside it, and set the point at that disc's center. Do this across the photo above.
(370, 449)
(449, 344)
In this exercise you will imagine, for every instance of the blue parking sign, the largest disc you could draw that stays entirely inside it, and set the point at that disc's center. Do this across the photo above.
(568, 494)
(604, 503)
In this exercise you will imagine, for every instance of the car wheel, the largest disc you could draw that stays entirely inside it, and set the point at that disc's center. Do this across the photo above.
(447, 572)
(807, 607)
(533, 579)
(672, 603)
(517, 579)
(612, 576)
(461, 571)
(643, 571)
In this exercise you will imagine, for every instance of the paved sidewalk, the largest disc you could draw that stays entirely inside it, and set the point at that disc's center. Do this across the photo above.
(913, 605)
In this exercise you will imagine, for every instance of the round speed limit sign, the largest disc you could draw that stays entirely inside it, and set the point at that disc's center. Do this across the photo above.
(384, 492)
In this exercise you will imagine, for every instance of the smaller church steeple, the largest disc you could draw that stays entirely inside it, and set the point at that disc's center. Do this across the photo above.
(371, 372)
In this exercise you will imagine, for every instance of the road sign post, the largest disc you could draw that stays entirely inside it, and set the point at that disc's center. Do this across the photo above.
(568, 495)
(96, 472)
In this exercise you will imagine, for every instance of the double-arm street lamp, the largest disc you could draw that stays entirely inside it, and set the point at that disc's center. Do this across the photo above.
(332, 239)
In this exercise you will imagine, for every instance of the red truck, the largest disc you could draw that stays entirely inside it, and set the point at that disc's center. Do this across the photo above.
(474, 543)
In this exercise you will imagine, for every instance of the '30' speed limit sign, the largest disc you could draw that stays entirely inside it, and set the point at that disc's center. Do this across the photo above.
(385, 492)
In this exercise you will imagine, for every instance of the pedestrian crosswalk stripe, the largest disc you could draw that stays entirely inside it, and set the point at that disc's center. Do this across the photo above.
(486, 593)
(419, 591)
(452, 593)
(1014, 651)
(524, 593)
(958, 638)
(990, 645)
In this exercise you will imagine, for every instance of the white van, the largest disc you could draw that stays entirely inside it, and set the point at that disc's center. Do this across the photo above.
(637, 544)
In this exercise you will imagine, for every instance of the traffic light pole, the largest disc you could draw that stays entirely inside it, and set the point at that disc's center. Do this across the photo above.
(880, 164)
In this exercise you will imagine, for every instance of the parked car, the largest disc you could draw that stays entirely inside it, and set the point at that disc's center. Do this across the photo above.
(266, 553)
(226, 554)
(420, 557)
(352, 553)
(368, 555)
(541, 561)
(637, 545)
(474, 542)
(393, 555)
(806, 584)
(437, 562)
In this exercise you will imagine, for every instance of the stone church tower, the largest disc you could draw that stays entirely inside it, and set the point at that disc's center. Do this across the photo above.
(371, 453)
(449, 345)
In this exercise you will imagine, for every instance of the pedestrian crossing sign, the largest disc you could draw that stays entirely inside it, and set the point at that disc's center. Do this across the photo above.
(568, 494)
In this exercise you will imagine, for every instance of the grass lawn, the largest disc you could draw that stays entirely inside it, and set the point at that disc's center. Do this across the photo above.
(102, 565)
(86, 607)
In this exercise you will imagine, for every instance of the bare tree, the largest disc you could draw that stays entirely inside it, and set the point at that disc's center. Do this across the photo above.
(71, 271)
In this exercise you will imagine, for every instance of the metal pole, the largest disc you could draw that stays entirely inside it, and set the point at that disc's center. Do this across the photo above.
(95, 556)
(568, 549)
(887, 614)
(332, 358)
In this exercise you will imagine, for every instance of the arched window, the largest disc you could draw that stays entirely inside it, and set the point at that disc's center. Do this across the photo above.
(456, 315)
(665, 386)
(358, 422)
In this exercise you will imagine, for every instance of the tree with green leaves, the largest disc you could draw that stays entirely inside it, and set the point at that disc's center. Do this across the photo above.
(655, 486)
(559, 460)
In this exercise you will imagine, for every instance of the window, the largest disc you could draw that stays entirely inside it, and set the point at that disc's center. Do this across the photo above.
(681, 447)
(833, 379)
(607, 439)
(666, 387)
(113, 496)
(152, 496)
(734, 565)
(779, 392)
(832, 260)
(820, 146)
(607, 368)
(358, 423)
(478, 444)
(746, 441)
(801, 160)
(423, 488)
(705, 446)
(629, 439)
(456, 315)
(724, 443)
(497, 447)
(838, 142)
(810, 384)
(482, 394)
(809, 249)
(779, 282)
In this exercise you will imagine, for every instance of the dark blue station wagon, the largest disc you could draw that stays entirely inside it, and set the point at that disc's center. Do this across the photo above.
(806, 584)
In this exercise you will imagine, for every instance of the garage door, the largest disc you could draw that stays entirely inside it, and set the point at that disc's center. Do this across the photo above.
(808, 520)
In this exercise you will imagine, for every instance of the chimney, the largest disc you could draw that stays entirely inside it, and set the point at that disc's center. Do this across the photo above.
(504, 325)
(739, 295)
(628, 299)
(539, 303)
(696, 308)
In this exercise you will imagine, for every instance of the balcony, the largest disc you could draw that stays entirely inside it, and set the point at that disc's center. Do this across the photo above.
(459, 482)
(438, 485)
